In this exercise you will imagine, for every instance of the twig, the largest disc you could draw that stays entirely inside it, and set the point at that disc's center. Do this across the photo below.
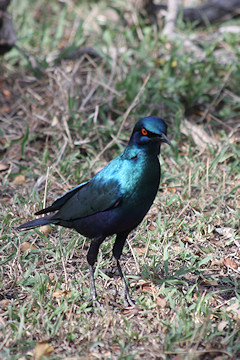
(189, 182)
(171, 17)
(146, 249)
(217, 96)
(207, 173)
(65, 123)
(61, 153)
(45, 189)
(134, 256)
(88, 97)
(65, 271)
(95, 126)
(183, 210)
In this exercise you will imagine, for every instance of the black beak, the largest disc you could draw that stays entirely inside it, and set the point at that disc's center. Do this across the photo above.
(165, 139)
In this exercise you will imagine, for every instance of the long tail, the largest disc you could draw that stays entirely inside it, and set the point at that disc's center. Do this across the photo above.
(46, 220)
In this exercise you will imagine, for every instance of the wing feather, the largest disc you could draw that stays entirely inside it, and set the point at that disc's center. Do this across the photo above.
(92, 198)
(86, 199)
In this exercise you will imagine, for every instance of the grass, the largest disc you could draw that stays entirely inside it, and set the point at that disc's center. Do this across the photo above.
(68, 123)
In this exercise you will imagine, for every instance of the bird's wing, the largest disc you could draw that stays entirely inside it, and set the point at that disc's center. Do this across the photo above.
(87, 199)
(92, 198)
(61, 200)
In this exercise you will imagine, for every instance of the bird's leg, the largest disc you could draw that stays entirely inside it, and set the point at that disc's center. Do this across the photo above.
(117, 252)
(126, 297)
(91, 258)
(92, 282)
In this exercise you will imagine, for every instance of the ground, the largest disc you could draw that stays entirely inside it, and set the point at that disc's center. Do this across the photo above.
(62, 120)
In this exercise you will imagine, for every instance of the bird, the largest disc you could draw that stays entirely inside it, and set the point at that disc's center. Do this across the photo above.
(115, 200)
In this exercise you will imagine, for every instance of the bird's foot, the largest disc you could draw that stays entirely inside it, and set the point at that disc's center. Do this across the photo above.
(125, 292)
(128, 302)
(96, 304)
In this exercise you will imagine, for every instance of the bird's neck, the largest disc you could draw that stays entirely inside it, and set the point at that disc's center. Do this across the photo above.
(149, 151)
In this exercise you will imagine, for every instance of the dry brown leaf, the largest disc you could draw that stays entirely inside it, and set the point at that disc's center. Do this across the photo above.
(230, 263)
(214, 301)
(42, 349)
(172, 189)
(5, 199)
(199, 135)
(147, 286)
(6, 93)
(147, 289)
(94, 355)
(52, 281)
(5, 109)
(207, 282)
(4, 304)
(55, 121)
(222, 325)
(140, 251)
(216, 262)
(115, 347)
(227, 232)
(25, 246)
(187, 239)
(234, 29)
(61, 293)
(207, 213)
(130, 311)
(45, 230)
(52, 277)
(217, 241)
(197, 208)
(19, 179)
(3, 167)
(150, 288)
(234, 309)
(160, 301)
(152, 227)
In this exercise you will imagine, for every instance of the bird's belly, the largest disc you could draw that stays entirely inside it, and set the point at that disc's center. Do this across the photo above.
(120, 219)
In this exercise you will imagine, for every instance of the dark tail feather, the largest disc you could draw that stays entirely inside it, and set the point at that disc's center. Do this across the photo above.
(46, 220)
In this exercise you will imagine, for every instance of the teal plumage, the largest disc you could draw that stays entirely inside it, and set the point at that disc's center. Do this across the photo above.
(116, 199)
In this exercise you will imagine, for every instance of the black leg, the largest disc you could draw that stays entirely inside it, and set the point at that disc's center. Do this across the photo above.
(117, 252)
(92, 282)
(126, 297)
(91, 258)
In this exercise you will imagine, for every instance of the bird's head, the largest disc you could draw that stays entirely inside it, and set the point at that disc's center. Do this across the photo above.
(149, 133)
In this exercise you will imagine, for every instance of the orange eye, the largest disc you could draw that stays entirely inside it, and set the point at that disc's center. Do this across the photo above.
(144, 131)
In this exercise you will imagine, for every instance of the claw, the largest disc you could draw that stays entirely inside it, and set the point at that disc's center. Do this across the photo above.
(125, 293)
(96, 304)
